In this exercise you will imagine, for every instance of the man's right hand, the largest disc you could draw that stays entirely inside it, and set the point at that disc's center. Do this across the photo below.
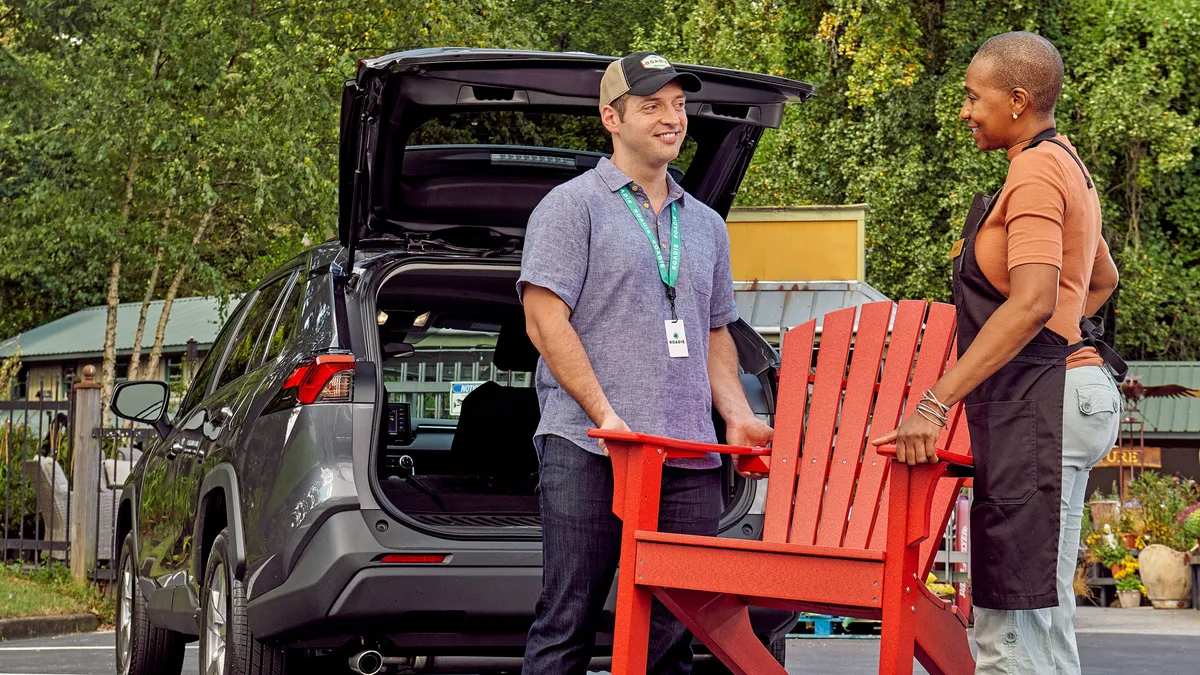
(612, 423)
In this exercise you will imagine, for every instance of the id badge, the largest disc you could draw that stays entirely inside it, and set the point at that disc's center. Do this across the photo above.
(676, 339)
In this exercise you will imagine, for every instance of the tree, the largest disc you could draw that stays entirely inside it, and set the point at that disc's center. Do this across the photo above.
(884, 130)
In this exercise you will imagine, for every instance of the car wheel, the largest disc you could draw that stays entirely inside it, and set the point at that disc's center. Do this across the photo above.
(142, 648)
(226, 645)
(715, 667)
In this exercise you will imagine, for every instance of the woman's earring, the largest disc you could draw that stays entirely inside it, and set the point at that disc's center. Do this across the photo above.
(1014, 116)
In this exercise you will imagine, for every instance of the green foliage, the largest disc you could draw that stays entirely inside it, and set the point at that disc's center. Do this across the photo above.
(1191, 526)
(236, 106)
(18, 442)
(1163, 498)
(884, 130)
(50, 590)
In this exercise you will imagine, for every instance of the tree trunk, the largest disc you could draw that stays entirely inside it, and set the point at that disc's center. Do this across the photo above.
(136, 356)
(109, 367)
(161, 331)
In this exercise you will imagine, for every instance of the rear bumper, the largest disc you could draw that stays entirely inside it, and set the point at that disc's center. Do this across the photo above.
(479, 601)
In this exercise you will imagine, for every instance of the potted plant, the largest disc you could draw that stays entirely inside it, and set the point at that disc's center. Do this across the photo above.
(1129, 584)
(1164, 564)
(1189, 521)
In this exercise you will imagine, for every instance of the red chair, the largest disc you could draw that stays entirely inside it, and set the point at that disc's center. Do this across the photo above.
(846, 531)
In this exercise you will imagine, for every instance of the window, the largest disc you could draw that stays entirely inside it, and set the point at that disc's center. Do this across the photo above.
(174, 369)
(285, 325)
(260, 312)
(209, 365)
(529, 129)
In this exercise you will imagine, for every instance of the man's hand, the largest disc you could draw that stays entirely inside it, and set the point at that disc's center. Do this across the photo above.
(915, 440)
(612, 423)
(751, 432)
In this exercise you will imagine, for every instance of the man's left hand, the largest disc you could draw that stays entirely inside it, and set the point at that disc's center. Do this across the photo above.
(748, 431)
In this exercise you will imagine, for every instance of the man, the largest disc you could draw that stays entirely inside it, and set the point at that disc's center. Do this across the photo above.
(627, 292)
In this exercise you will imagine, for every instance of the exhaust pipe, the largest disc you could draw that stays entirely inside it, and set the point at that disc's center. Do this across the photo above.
(366, 662)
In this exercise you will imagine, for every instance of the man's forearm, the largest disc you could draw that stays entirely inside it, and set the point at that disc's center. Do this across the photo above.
(728, 396)
(560, 346)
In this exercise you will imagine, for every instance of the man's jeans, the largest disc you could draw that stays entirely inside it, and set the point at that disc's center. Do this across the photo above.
(1042, 641)
(580, 550)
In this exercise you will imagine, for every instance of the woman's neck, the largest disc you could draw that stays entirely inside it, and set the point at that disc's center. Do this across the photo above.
(1030, 128)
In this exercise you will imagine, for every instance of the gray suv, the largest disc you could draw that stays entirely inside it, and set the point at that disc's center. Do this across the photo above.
(351, 477)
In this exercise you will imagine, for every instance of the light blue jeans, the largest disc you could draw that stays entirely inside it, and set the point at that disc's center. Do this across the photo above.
(1042, 641)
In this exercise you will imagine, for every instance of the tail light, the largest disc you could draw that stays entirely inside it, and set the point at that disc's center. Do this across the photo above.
(329, 377)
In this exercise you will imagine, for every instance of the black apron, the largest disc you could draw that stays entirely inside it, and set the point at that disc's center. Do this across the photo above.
(1015, 419)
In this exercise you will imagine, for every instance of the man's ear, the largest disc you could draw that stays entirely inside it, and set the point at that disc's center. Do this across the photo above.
(608, 115)
(1020, 101)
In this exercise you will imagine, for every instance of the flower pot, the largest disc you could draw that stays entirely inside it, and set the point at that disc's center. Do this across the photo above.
(1130, 599)
(1129, 540)
(1167, 577)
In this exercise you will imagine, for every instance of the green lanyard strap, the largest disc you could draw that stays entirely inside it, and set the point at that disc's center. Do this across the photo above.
(669, 273)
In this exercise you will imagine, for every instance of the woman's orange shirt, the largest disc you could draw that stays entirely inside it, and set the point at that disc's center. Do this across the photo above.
(1046, 214)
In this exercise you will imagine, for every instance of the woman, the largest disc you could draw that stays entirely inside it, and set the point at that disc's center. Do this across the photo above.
(1039, 387)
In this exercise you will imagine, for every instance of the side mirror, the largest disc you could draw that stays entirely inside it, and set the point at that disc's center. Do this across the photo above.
(144, 402)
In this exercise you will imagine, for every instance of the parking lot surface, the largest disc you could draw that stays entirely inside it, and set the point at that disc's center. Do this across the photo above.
(1111, 642)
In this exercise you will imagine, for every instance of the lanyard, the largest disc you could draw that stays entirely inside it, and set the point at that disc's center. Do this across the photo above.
(668, 274)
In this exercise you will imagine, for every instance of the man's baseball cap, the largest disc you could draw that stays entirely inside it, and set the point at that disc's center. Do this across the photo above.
(641, 74)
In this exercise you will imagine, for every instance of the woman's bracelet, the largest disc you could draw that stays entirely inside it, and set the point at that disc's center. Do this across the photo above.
(930, 398)
(933, 416)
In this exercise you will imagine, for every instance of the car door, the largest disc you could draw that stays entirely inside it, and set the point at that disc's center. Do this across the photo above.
(162, 526)
(225, 409)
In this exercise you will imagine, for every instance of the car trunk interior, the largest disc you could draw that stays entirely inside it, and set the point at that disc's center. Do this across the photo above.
(456, 438)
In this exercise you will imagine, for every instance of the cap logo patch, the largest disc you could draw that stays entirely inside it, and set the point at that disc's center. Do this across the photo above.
(655, 62)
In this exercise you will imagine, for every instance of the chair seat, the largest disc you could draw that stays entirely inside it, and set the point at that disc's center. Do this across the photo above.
(769, 571)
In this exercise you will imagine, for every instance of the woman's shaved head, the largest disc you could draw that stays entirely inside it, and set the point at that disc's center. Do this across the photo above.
(1027, 61)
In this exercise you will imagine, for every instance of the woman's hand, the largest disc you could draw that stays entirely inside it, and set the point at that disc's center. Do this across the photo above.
(915, 440)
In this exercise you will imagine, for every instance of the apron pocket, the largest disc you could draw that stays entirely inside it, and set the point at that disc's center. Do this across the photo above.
(1004, 442)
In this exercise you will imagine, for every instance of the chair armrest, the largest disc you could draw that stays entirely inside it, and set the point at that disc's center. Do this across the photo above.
(677, 448)
(756, 460)
(946, 456)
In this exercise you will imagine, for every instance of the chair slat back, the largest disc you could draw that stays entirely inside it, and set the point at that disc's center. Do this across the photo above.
(827, 483)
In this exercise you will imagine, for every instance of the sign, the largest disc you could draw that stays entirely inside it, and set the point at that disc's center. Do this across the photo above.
(1129, 456)
(458, 392)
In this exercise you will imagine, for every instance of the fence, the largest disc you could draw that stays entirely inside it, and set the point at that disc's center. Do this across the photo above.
(62, 476)
(35, 468)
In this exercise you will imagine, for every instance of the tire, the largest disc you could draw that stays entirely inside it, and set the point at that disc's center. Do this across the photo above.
(779, 650)
(715, 667)
(243, 655)
(151, 650)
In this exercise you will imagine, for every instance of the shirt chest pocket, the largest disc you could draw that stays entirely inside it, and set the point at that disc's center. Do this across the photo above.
(698, 260)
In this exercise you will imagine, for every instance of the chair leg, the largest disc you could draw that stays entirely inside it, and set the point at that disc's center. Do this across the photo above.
(631, 635)
(941, 637)
(722, 622)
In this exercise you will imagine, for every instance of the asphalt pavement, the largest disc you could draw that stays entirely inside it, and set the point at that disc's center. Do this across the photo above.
(1111, 642)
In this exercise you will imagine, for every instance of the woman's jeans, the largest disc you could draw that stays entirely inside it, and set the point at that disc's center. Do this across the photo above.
(1042, 641)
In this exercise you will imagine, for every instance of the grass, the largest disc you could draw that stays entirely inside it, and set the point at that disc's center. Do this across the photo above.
(49, 591)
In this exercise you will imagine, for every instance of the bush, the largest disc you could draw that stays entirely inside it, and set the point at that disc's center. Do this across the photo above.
(1189, 519)
(1163, 498)
(18, 443)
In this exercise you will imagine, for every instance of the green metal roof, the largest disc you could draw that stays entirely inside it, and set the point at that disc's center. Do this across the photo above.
(1170, 417)
(81, 335)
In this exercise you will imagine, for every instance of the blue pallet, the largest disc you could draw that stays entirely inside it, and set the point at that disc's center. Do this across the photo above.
(823, 627)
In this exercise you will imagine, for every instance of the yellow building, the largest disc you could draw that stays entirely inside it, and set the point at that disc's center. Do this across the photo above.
(791, 264)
